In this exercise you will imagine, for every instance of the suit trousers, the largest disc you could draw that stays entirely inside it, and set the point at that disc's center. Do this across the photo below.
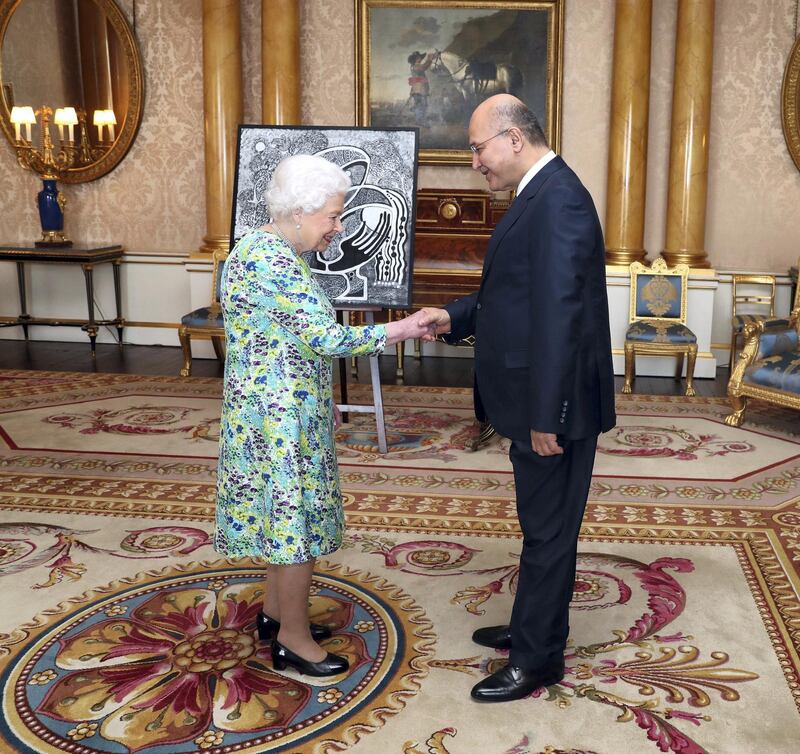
(551, 498)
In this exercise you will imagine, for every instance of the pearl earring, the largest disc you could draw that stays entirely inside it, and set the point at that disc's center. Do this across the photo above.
(297, 226)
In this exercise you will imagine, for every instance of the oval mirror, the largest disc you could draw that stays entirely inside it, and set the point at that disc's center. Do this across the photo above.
(78, 54)
(790, 103)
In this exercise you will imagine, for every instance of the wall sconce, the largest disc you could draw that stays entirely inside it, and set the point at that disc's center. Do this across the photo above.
(104, 118)
(51, 166)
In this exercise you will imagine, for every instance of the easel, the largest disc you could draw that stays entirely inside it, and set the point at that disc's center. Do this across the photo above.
(377, 395)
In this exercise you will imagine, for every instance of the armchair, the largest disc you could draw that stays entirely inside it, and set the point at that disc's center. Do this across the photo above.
(658, 319)
(758, 293)
(207, 320)
(769, 365)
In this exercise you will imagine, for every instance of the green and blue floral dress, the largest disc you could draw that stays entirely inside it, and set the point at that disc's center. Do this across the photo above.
(278, 493)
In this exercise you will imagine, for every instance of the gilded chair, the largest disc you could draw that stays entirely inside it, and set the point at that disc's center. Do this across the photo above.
(752, 300)
(658, 319)
(205, 322)
(768, 367)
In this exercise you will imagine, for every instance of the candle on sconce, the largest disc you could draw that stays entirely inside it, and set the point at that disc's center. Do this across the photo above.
(111, 121)
(22, 116)
(99, 120)
(69, 118)
(105, 118)
(58, 119)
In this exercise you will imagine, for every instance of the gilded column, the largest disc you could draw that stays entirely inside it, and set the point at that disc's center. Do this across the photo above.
(280, 62)
(627, 152)
(688, 154)
(222, 107)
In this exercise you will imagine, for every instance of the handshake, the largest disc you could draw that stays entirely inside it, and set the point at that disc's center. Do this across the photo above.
(425, 324)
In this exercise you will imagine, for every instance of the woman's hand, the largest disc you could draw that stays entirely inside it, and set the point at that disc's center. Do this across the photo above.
(337, 417)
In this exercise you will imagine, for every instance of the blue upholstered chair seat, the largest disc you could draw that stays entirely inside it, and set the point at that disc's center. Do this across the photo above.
(778, 337)
(206, 321)
(781, 372)
(203, 317)
(740, 320)
(648, 332)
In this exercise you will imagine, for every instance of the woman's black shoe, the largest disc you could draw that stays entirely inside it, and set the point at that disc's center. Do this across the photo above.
(268, 628)
(331, 665)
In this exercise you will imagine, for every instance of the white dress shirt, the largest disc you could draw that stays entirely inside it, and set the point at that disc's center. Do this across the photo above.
(535, 168)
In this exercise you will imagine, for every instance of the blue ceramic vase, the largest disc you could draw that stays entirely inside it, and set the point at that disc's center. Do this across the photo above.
(51, 215)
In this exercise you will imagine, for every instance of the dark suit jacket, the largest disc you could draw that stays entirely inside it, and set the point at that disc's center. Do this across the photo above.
(540, 317)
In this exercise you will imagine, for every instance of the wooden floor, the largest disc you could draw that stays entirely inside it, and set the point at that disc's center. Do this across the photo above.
(442, 372)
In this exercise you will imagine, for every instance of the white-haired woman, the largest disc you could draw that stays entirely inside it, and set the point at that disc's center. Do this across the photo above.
(278, 493)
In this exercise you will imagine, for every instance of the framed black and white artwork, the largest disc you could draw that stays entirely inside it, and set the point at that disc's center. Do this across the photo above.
(370, 262)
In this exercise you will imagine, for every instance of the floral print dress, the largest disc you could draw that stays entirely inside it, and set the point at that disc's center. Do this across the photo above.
(278, 493)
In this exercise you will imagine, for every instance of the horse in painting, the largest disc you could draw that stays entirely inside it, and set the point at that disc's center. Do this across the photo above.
(477, 80)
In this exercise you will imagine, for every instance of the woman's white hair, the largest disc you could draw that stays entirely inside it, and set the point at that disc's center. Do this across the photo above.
(304, 182)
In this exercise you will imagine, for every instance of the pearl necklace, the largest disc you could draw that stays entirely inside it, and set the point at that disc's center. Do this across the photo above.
(278, 232)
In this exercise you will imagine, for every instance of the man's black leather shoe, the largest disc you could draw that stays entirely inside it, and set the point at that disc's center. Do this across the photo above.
(510, 683)
(496, 637)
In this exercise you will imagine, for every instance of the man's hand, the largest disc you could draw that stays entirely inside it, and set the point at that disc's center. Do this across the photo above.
(409, 328)
(438, 320)
(545, 444)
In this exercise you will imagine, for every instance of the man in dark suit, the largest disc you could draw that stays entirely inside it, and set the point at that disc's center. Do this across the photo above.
(543, 375)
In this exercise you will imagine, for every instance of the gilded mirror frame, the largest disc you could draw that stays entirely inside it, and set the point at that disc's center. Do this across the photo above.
(790, 103)
(127, 133)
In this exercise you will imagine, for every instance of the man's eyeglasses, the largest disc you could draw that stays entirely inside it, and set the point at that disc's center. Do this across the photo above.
(477, 147)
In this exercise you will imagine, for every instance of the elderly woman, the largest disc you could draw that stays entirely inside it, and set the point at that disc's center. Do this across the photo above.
(278, 493)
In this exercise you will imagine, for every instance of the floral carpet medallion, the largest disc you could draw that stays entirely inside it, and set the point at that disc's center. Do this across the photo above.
(168, 662)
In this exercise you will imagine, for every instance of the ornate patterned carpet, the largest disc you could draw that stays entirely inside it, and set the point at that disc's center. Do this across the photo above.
(122, 631)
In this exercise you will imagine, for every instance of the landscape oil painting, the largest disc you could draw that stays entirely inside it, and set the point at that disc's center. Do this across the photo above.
(429, 64)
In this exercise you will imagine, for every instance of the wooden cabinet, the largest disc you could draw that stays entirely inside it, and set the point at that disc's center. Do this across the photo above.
(452, 232)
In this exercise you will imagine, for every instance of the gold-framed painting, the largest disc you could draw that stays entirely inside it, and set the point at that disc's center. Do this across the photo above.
(428, 64)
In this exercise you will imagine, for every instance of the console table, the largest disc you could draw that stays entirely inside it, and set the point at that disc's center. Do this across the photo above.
(85, 256)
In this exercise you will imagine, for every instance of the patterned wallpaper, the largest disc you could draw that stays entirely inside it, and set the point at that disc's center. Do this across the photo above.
(154, 200)
(754, 187)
